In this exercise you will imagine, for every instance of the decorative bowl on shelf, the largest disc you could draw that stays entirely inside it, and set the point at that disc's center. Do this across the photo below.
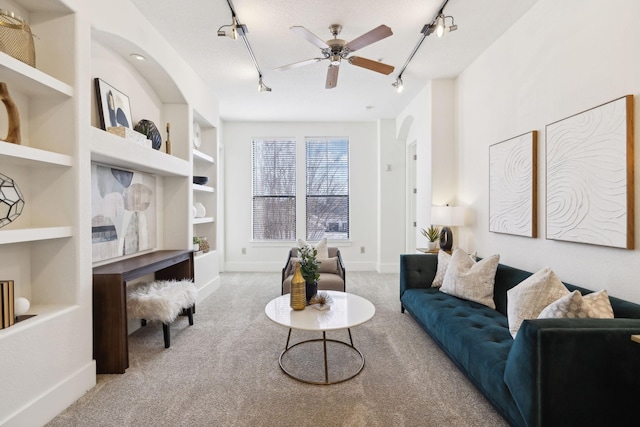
(200, 180)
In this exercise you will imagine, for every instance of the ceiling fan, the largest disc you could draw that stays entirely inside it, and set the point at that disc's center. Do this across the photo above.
(335, 50)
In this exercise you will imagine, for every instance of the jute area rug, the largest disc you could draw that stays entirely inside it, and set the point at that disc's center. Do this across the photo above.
(223, 370)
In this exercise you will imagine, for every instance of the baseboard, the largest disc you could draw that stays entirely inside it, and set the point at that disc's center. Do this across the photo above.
(389, 268)
(209, 288)
(55, 400)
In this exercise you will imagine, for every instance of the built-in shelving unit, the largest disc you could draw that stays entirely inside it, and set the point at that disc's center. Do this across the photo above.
(47, 359)
(42, 249)
(204, 164)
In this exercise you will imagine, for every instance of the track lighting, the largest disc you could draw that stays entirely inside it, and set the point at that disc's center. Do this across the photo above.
(398, 85)
(440, 26)
(262, 87)
(240, 30)
(437, 25)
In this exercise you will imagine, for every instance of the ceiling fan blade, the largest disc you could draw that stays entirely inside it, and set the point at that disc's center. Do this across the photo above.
(372, 36)
(372, 65)
(299, 64)
(332, 76)
(309, 36)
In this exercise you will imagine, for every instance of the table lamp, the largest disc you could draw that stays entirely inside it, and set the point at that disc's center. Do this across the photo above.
(447, 216)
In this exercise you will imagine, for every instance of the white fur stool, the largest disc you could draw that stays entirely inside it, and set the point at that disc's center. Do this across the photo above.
(161, 300)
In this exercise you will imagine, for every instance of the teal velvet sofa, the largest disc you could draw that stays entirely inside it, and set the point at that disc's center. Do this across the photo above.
(556, 372)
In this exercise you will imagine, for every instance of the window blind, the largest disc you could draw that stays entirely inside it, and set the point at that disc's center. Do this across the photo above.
(274, 189)
(327, 188)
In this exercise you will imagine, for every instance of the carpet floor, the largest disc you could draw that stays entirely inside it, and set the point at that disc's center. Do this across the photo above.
(223, 370)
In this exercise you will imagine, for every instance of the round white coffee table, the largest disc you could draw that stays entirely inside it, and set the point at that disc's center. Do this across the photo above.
(346, 312)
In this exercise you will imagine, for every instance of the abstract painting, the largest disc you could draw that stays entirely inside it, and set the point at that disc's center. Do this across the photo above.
(113, 106)
(123, 212)
(590, 176)
(513, 185)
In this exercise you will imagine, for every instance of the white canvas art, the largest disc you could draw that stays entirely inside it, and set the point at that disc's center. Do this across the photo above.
(513, 185)
(590, 176)
(123, 212)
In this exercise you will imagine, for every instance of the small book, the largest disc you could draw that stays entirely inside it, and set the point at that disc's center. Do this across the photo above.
(4, 303)
(12, 299)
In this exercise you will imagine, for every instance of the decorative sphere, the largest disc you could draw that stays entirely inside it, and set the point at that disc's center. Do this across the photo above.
(21, 306)
(11, 200)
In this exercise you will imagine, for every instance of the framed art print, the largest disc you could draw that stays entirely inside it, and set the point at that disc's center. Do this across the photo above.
(513, 185)
(590, 176)
(113, 106)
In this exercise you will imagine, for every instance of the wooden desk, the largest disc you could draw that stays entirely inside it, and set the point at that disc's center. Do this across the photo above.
(110, 347)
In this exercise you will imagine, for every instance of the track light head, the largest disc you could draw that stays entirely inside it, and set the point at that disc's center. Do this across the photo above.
(397, 85)
(262, 87)
(440, 27)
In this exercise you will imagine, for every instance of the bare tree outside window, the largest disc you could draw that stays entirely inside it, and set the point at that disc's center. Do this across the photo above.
(327, 198)
(274, 189)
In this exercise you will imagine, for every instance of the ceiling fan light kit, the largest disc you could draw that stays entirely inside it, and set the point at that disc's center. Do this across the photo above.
(335, 50)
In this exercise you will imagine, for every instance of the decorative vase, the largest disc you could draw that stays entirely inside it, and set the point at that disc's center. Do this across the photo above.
(311, 289)
(201, 211)
(298, 295)
(148, 128)
(432, 245)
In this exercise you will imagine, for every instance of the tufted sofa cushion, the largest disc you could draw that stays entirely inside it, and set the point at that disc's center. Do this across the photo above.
(476, 338)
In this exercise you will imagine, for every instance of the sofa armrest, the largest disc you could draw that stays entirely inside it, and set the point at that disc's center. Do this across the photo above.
(417, 271)
(583, 370)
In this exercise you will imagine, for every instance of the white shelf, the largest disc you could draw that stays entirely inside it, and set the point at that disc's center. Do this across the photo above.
(43, 314)
(203, 220)
(23, 78)
(203, 188)
(116, 151)
(32, 157)
(200, 156)
(21, 235)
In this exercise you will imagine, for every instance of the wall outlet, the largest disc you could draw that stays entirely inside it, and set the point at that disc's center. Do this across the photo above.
(361, 249)
(244, 251)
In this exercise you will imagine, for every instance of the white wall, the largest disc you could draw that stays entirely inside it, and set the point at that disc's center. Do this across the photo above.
(391, 197)
(263, 256)
(561, 58)
(428, 120)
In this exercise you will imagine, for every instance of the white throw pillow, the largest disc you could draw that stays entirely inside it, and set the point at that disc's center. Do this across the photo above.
(443, 262)
(471, 280)
(595, 305)
(528, 298)
(321, 247)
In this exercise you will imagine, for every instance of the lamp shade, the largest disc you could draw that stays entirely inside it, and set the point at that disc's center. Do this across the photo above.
(447, 216)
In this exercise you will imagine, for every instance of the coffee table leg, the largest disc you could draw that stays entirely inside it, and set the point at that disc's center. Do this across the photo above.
(350, 339)
(326, 369)
(286, 347)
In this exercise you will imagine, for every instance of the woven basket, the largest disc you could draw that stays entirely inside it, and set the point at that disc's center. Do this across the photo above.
(16, 38)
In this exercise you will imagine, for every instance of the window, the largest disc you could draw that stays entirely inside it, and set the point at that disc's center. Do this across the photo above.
(274, 189)
(327, 199)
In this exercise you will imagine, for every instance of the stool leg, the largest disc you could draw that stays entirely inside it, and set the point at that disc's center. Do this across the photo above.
(167, 335)
(190, 315)
(143, 322)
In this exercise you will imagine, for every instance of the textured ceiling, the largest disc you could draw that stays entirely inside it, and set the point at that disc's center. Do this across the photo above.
(299, 94)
